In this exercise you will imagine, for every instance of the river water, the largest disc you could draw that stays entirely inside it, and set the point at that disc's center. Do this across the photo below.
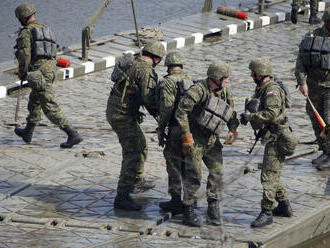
(68, 17)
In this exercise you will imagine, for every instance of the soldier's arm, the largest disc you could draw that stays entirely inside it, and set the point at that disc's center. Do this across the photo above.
(168, 93)
(300, 69)
(186, 105)
(272, 107)
(23, 52)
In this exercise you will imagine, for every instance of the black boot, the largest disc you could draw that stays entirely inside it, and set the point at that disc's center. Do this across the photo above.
(313, 19)
(125, 201)
(294, 14)
(142, 185)
(283, 209)
(175, 205)
(265, 218)
(213, 213)
(73, 137)
(190, 218)
(320, 159)
(25, 133)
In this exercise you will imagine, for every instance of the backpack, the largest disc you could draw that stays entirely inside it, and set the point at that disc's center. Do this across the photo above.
(288, 98)
(123, 63)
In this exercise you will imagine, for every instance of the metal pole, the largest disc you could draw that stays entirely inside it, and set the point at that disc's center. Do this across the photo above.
(261, 6)
(136, 25)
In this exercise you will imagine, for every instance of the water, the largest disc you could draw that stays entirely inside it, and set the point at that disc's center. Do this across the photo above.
(67, 18)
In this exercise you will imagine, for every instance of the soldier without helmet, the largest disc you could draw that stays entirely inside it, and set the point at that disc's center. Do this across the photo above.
(271, 116)
(131, 90)
(313, 78)
(201, 114)
(36, 55)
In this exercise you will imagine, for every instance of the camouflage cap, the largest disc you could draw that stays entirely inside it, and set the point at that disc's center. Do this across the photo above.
(326, 15)
(218, 70)
(261, 66)
(174, 58)
(155, 48)
(24, 10)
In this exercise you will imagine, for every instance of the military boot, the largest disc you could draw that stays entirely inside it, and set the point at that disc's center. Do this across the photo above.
(175, 205)
(294, 14)
(320, 159)
(265, 218)
(283, 209)
(25, 133)
(213, 213)
(325, 165)
(73, 137)
(190, 218)
(313, 19)
(142, 185)
(125, 201)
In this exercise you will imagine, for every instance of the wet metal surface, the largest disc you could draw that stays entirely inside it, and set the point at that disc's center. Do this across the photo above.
(64, 198)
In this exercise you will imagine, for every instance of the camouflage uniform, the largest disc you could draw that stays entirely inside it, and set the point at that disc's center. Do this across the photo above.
(313, 4)
(40, 75)
(172, 152)
(318, 82)
(313, 19)
(123, 118)
(207, 146)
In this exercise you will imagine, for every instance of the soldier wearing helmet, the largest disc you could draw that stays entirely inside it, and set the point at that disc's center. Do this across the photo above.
(313, 19)
(313, 79)
(201, 116)
(36, 54)
(135, 88)
(271, 116)
(173, 87)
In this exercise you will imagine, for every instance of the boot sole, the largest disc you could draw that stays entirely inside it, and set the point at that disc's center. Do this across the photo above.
(63, 145)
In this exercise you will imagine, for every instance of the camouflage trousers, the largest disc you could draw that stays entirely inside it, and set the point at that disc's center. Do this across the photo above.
(212, 158)
(273, 189)
(321, 100)
(42, 97)
(174, 160)
(313, 5)
(134, 153)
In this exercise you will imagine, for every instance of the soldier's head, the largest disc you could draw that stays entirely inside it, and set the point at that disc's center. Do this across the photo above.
(174, 61)
(260, 69)
(326, 18)
(218, 74)
(154, 50)
(24, 12)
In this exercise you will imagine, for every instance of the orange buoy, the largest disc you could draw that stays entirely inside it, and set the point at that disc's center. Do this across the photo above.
(232, 12)
(63, 62)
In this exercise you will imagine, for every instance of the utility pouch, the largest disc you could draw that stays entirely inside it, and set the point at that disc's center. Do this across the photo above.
(325, 62)
(316, 59)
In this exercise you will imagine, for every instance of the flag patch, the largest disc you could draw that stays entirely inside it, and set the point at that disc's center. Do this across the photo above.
(271, 93)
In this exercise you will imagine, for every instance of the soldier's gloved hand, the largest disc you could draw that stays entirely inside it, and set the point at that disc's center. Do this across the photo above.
(22, 76)
(243, 119)
(187, 143)
(231, 137)
(161, 137)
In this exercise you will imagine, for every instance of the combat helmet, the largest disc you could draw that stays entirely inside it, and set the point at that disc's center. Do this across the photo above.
(174, 58)
(24, 10)
(155, 48)
(326, 15)
(218, 70)
(261, 66)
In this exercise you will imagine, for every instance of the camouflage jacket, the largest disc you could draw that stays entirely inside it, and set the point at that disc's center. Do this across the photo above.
(24, 53)
(191, 106)
(169, 98)
(140, 91)
(312, 75)
(272, 106)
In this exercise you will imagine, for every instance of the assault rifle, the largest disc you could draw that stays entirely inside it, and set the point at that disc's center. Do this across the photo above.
(258, 135)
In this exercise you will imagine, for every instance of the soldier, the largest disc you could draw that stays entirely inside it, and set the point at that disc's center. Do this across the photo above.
(134, 89)
(36, 54)
(173, 86)
(201, 114)
(313, 19)
(270, 116)
(313, 78)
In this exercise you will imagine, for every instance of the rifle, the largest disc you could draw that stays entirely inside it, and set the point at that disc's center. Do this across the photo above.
(18, 101)
(258, 135)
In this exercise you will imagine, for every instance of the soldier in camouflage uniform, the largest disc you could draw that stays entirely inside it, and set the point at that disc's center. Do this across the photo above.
(314, 81)
(200, 144)
(313, 19)
(271, 114)
(127, 95)
(36, 55)
(173, 86)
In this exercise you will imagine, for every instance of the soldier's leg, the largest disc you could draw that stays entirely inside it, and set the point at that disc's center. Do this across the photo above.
(313, 19)
(294, 11)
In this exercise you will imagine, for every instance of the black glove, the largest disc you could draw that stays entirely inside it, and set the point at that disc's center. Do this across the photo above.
(243, 119)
